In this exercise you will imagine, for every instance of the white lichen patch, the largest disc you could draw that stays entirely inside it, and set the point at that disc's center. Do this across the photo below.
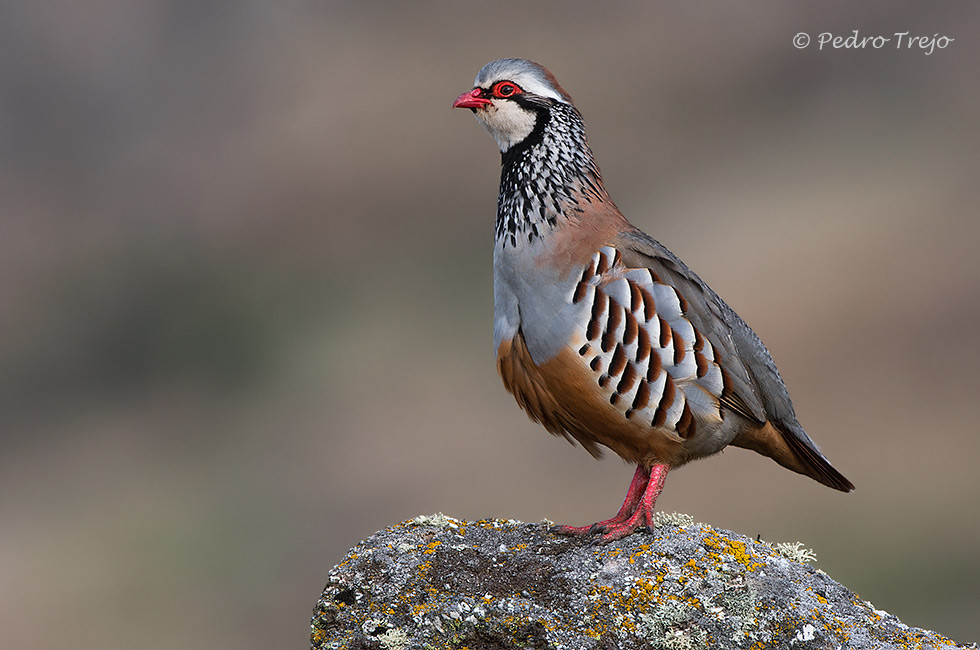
(438, 520)
(666, 619)
(394, 639)
(795, 551)
(808, 633)
(681, 640)
(678, 519)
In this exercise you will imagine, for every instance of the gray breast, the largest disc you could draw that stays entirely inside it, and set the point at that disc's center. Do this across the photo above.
(534, 298)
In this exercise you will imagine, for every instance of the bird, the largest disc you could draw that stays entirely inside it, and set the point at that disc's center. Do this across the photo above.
(603, 335)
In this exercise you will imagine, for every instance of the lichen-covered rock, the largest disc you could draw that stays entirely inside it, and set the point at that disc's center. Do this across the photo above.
(436, 582)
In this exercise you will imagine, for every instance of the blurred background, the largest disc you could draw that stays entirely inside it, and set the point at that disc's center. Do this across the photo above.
(245, 291)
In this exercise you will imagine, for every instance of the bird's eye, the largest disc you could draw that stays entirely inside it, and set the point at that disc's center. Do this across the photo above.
(505, 89)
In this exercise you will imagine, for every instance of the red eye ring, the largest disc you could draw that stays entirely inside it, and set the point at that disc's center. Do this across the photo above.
(504, 89)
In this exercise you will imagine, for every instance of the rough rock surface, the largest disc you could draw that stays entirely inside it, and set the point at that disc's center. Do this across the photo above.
(437, 582)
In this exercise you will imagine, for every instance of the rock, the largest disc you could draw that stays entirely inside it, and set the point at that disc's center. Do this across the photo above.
(437, 582)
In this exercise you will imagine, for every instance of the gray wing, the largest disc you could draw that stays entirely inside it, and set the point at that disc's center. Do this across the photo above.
(756, 390)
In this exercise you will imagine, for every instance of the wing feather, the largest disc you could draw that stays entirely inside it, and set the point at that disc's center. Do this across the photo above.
(746, 363)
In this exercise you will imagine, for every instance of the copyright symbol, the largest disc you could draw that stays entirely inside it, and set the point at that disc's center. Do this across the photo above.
(801, 40)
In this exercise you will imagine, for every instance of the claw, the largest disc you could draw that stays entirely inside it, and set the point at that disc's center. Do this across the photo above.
(570, 530)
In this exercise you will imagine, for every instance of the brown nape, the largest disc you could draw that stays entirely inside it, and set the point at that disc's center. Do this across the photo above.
(790, 452)
(554, 83)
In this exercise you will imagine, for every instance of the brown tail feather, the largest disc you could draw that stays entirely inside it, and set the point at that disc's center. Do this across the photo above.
(792, 453)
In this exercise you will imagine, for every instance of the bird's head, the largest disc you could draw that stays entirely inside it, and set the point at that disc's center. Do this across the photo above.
(509, 97)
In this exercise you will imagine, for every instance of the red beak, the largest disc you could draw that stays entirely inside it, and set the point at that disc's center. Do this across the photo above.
(471, 99)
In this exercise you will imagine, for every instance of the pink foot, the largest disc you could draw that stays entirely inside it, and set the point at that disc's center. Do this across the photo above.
(637, 486)
(636, 512)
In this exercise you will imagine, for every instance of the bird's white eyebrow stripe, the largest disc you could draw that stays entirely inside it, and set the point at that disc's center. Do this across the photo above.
(527, 76)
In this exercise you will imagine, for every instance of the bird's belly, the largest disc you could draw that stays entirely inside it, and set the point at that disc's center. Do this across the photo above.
(562, 395)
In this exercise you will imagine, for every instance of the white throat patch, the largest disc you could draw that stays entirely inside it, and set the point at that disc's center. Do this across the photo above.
(507, 122)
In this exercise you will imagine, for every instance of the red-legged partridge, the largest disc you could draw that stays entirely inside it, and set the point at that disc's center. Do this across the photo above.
(602, 334)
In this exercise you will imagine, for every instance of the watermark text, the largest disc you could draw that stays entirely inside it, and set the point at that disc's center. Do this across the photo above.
(856, 41)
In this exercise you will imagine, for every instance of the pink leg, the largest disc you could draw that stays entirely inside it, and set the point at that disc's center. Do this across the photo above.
(637, 509)
(633, 494)
(637, 486)
(642, 517)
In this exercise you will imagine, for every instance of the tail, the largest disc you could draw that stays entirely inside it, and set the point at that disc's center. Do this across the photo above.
(793, 450)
